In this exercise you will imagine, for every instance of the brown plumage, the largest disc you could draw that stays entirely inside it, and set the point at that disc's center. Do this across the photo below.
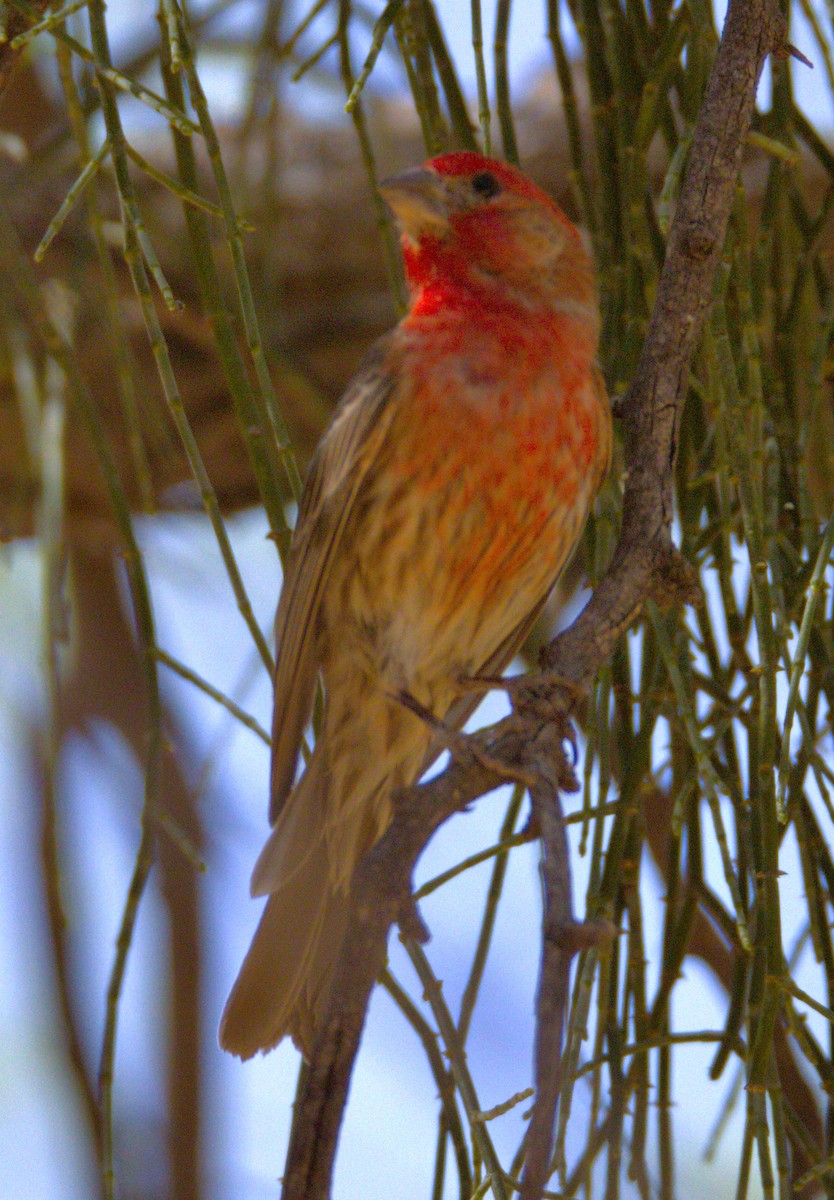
(441, 505)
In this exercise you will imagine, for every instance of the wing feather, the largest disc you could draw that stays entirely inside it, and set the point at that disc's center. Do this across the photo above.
(336, 474)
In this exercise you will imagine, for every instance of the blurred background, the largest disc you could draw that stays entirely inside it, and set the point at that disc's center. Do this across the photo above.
(144, 498)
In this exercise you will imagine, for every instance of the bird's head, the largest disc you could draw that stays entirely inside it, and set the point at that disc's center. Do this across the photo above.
(474, 224)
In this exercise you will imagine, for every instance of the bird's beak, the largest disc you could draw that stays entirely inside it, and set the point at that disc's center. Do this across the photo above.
(418, 200)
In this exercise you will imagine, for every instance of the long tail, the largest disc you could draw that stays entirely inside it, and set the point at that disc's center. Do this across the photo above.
(284, 981)
(336, 812)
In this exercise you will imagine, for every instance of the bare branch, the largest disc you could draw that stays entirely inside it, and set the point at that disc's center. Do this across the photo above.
(562, 937)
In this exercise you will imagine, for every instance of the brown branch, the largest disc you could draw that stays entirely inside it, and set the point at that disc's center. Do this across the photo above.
(562, 938)
(645, 564)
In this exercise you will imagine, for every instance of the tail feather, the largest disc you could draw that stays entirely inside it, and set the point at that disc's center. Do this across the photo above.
(282, 984)
(297, 833)
(336, 811)
(309, 1009)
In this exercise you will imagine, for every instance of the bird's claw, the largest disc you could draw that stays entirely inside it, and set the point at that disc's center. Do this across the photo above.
(460, 746)
(534, 693)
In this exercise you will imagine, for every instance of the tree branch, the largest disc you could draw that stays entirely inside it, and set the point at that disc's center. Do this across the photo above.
(645, 564)
(562, 938)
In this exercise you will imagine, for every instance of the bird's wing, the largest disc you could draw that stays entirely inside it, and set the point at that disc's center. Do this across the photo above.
(336, 473)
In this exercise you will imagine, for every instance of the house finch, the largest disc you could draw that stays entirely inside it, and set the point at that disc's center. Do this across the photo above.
(440, 507)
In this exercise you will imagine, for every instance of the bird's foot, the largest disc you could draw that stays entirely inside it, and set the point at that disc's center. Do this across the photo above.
(530, 690)
(460, 746)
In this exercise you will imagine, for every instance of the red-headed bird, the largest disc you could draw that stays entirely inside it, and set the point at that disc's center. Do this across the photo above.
(440, 507)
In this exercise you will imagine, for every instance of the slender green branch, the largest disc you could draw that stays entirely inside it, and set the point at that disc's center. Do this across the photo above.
(134, 230)
(457, 1060)
(73, 195)
(817, 588)
(279, 439)
(119, 343)
(496, 884)
(428, 1038)
(106, 71)
(503, 103)
(220, 697)
(383, 23)
(484, 116)
(47, 24)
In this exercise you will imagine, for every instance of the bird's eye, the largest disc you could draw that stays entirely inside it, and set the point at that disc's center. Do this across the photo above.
(485, 184)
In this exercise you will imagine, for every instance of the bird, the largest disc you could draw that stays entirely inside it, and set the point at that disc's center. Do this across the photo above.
(440, 506)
